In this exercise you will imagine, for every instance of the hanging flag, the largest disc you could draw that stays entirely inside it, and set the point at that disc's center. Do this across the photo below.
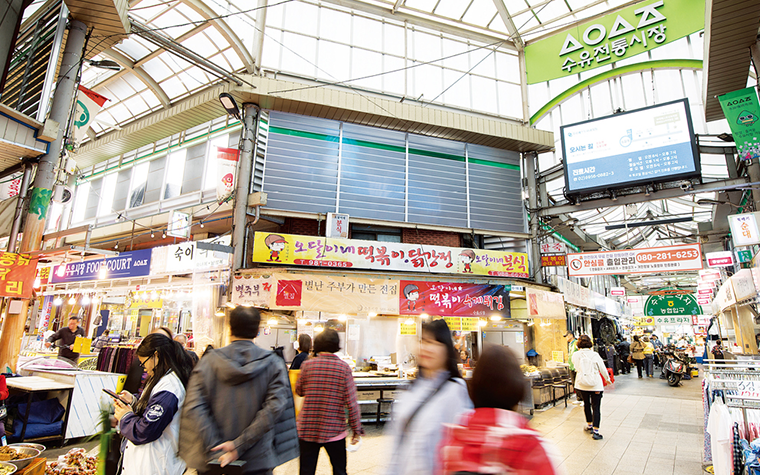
(10, 187)
(743, 114)
(89, 104)
(227, 159)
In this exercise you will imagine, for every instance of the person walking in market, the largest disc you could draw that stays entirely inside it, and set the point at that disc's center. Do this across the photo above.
(648, 357)
(637, 353)
(328, 389)
(591, 375)
(624, 351)
(239, 405)
(65, 338)
(658, 346)
(436, 398)
(572, 347)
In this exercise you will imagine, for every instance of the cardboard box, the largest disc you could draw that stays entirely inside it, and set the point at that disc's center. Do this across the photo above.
(369, 395)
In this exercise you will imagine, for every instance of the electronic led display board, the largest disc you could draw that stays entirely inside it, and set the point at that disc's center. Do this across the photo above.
(650, 145)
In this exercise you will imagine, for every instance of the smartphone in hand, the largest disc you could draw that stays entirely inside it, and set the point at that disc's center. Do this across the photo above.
(115, 396)
(234, 468)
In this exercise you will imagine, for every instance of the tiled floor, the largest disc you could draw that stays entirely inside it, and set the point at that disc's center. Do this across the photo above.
(648, 428)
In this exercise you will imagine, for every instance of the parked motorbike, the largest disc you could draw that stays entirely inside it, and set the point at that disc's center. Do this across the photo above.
(675, 367)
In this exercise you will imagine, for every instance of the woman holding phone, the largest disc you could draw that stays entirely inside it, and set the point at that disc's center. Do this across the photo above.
(150, 424)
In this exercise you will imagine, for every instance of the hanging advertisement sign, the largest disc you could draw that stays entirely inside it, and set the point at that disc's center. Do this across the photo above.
(725, 297)
(553, 248)
(744, 230)
(613, 37)
(636, 261)
(337, 225)
(644, 321)
(672, 305)
(743, 255)
(708, 275)
(719, 259)
(10, 187)
(617, 291)
(17, 273)
(127, 264)
(742, 112)
(189, 256)
(227, 160)
(556, 260)
(179, 225)
(744, 285)
(251, 291)
(407, 329)
(335, 294)
(543, 304)
(290, 249)
(89, 104)
(453, 299)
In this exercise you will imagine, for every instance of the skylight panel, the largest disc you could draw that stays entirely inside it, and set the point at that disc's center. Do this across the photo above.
(452, 9)
(133, 48)
(119, 90)
(158, 69)
(301, 19)
(334, 26)
(172, 24)
(192, 79)
(201, 45)
(136, 105)
(174, 87)
(480, 13)
(422, 5)
(120, 113)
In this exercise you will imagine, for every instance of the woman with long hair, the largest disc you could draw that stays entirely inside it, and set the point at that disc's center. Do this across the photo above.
(150, 423)
(437, 397)
(304, 347)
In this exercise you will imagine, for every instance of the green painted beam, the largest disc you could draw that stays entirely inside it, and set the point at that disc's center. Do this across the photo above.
(613, 73)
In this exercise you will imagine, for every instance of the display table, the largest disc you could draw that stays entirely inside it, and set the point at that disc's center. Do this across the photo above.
(33, 385)
(88, 397)
(375, 391)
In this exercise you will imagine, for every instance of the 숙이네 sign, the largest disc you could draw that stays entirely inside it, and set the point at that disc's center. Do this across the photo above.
(453, 299)
(636, 261)
(126, 264)
(17, 273)
(672, 305)
(290, 249)
(719, 259)
(613, 37)
(744, 230)
(743, 115)
(653, 144)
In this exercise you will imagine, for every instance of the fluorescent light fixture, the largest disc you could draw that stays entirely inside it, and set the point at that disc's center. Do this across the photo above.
(424, 316)
(495, 318)
(86, 300)
(272, 321)
(372, 314)
(342, 317)
(72, 300)
(229, 104)
(58, 301)
(219, 313)
(318, 329)
(230, 305)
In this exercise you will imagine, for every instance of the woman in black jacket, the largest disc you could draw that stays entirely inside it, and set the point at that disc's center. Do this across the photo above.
(304, 347)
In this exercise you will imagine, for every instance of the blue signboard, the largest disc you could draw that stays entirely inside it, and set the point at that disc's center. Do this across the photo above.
(127, 264)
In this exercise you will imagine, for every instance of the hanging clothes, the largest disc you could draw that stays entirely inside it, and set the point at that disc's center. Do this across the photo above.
(737, 451)
(719, 427)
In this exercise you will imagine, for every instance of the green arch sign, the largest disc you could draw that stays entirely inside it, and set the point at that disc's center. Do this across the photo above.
(672, 305)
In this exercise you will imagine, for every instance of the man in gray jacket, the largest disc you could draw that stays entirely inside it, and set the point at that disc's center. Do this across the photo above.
(239, 405)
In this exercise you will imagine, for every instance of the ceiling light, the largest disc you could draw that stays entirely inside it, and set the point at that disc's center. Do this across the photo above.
(37, 283)
(482, 323)
(272, 321)
(495, 318)
(342, 318)
(410, 321)
(61, 271)
(163, 235)
(104, 64)
(726, 137)
(58, 301)
(152, 234)
(424, 316)
(613, 196)
(230, 305)
(229, 104)
(219, 313)
(372, 314)
(318, 329)
(72, 301)
(202, 224)
(86, 300)
(103, 272)
(531, 323)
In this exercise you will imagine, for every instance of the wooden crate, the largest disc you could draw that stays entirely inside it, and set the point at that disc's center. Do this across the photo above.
(37, 467)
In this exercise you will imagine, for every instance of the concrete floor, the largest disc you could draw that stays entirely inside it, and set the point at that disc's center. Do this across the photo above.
(648, 428)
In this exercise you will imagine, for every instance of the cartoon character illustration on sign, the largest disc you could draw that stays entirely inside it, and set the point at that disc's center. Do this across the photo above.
(467, 256)
(412, 294)
(276, 244)
(746, 118)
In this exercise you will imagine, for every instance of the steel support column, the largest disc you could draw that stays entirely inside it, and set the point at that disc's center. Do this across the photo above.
(13, 329)
(535, 252)
(248, 139)
(20, 207)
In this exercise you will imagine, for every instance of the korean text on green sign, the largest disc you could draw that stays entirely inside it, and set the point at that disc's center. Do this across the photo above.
(613, 37)
(743, 115)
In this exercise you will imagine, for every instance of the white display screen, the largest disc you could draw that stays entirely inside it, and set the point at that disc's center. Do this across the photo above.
(648, 145)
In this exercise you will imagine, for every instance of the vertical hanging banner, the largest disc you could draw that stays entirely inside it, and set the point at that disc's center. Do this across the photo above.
(17, 273)
(742, 112)
(227, 159)
(89, 104)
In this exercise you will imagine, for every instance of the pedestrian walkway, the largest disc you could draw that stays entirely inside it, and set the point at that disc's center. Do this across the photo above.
(648, 428)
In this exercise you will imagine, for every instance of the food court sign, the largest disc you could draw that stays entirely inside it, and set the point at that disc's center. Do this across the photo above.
(613, 37)
(672, 306)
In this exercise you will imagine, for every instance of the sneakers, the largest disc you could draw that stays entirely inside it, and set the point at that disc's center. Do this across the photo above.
(597, 436)
(577, 403)
(588, 429)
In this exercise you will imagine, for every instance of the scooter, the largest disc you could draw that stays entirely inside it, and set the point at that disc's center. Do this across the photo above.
(674, 369)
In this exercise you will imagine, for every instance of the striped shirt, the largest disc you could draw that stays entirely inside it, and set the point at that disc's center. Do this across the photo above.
(328, 388)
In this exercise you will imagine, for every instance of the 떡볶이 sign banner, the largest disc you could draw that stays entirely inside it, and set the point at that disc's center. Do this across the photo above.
(636, 261)
(290, 249)
(17, 273)
(553, 260)
(613, 37)
(453, 299)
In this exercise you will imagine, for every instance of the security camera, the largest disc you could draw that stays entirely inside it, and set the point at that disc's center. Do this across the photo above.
(685, 185)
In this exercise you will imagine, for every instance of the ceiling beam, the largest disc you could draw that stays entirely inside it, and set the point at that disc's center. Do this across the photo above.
(224, 29)
(509, 23)
(397, 5)
(141, 74)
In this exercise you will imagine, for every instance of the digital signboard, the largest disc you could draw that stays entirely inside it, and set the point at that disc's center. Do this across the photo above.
(649, 145)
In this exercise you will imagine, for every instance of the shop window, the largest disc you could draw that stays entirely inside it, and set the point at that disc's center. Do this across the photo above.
(139, 182)
(93, 199)
(155, 180)
(376, 233)
(106, 195)
(80, 204)
(175, 174)
(121, 190)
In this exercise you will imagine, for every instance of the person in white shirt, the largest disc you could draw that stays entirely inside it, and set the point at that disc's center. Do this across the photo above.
(591, 369)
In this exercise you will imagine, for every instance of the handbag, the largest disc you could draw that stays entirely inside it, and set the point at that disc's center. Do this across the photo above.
(630, 359)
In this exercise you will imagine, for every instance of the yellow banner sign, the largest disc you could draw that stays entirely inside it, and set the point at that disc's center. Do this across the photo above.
(313, 251)
(407, 329)
(334, 294)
